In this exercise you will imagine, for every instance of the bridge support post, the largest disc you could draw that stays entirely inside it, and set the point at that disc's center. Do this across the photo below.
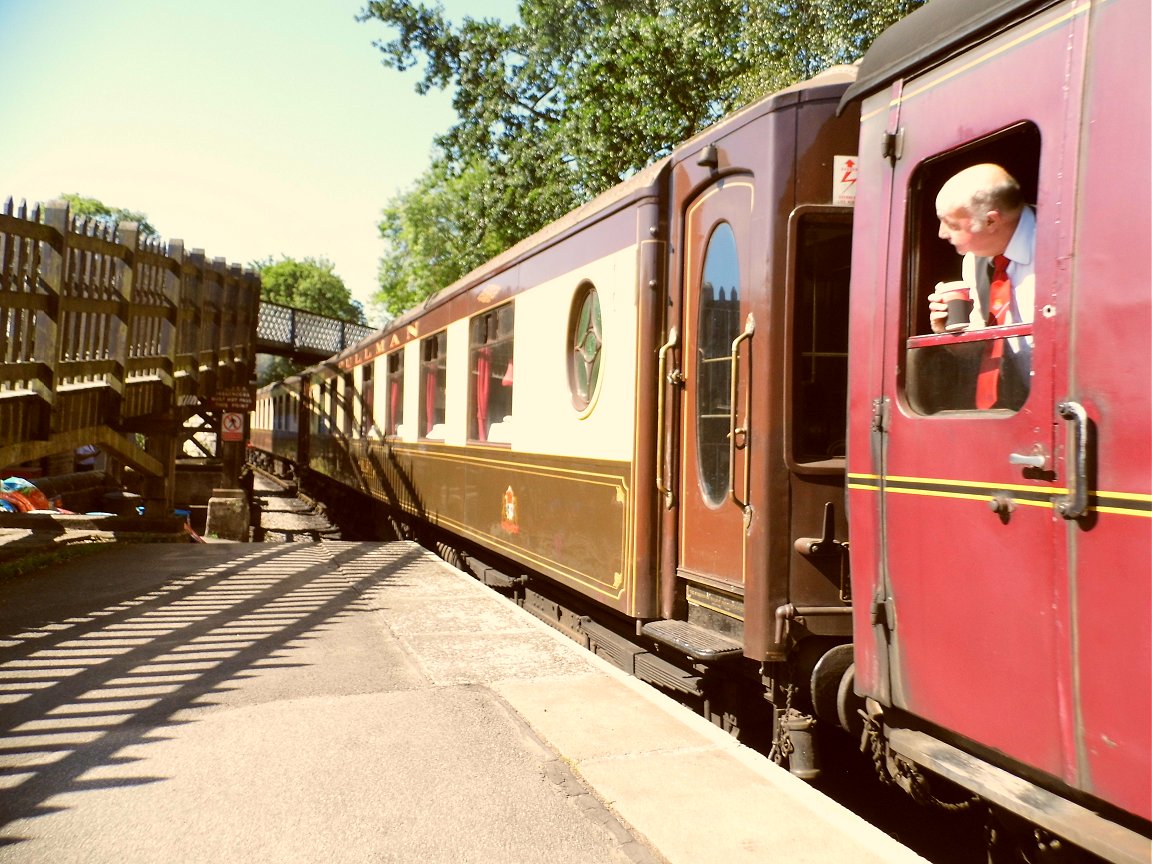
(159, 490)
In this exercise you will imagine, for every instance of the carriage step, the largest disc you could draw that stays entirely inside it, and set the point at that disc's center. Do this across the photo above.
(693, 640)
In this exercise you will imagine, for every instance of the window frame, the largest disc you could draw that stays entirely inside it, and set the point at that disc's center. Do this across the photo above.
(927, 259)
(433, 369)
(580, 402)
(394, 405)
(808, 213)
(495, 349)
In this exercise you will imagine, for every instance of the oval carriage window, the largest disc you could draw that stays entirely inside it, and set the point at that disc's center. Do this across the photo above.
(718, 324)
(585, 341)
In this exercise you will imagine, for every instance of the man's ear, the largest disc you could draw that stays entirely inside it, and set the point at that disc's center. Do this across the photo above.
(992, 220)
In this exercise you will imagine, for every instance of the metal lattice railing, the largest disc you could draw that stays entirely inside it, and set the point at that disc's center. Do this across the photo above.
(285, 330)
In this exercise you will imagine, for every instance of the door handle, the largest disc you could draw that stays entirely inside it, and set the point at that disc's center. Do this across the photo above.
(1075, 503)
(1036, 458)
(733, 429)
(663, 485)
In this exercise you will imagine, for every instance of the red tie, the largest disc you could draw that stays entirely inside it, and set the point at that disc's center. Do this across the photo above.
(999, 296)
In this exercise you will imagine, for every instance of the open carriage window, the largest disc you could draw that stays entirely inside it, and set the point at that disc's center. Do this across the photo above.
(970, 275)
(490, 361)
(820, 260)
(433, 384)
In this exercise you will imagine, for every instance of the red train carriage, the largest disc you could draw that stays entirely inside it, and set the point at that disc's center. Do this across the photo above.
(1000, 556)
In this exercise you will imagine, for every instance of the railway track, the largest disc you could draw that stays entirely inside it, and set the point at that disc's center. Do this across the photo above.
(282, 514)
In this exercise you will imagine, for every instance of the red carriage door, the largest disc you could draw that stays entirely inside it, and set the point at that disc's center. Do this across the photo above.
(717, 355)
(974, 609)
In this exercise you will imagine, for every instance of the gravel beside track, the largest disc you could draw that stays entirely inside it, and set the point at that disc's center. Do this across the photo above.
(281, 515)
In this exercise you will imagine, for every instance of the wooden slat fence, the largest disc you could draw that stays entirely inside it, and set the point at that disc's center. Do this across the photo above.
(104, 333)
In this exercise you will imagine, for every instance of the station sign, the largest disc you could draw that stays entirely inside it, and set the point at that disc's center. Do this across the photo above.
(241, 398)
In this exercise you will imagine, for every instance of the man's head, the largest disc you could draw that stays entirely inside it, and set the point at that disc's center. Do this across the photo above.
(979, 209)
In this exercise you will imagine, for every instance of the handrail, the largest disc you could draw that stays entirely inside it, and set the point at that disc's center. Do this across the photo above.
(733, 429)
(1075, 503)
(662, 385)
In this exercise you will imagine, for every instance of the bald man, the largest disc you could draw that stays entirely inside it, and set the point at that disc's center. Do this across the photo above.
(983, 215)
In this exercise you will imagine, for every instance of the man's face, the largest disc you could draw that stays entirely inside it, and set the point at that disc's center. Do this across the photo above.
(966, 235)
(956, 228)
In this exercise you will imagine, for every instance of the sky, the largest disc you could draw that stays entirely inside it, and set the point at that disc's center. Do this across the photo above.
(246, 128)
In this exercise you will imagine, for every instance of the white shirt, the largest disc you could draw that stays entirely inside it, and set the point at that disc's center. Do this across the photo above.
(1021, 255)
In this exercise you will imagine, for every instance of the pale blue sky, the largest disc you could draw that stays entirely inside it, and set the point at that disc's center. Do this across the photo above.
(247, 128)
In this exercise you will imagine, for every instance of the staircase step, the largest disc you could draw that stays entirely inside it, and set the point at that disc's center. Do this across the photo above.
(694, 640)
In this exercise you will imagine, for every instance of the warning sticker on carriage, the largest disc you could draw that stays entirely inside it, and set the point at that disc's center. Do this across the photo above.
(844, 180)
(232, 427)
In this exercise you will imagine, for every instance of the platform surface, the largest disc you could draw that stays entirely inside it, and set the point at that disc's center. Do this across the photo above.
(356, 702)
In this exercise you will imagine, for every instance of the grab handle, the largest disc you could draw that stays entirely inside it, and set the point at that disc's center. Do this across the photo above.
(662, 483)
(733, 429)
(1075, 503)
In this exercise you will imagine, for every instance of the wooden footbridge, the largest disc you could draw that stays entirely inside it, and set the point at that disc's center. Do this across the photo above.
(114, 339)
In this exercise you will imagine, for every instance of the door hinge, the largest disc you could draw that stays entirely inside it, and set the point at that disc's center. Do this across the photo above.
(884, 613)
(880, 414)
(892, 145)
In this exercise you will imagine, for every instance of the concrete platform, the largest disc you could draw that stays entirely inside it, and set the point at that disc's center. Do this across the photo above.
(348, 702)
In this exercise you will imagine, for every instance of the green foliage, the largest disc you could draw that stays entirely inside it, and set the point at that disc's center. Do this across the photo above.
(437, 231)
(276, 369)
(576, 96)
(93, 208)
(310, 285)
(794, 39)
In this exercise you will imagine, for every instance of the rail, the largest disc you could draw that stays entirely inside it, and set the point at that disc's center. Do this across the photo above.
(304, 336)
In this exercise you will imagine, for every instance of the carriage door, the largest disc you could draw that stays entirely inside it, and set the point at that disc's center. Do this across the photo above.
(974, 611)
(717, 358)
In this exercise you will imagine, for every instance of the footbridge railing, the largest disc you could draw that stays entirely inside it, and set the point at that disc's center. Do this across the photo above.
(304, 336)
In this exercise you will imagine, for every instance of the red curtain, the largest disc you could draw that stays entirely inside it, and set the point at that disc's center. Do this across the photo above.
(483, 381)
(430, 398)
(393, 404)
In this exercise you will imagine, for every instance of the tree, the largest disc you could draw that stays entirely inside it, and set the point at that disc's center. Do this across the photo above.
(436, 231)
(310, 285)
(558, 107)
(93, 208)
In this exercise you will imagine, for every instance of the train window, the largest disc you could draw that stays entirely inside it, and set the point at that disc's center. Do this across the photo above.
(821, 257)
(348, 405)
(367, 398)
(321, 403)
(433, 383)
(585, 341)
(980, 358)
(491, 368)
(719, 324)
(395, 381)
